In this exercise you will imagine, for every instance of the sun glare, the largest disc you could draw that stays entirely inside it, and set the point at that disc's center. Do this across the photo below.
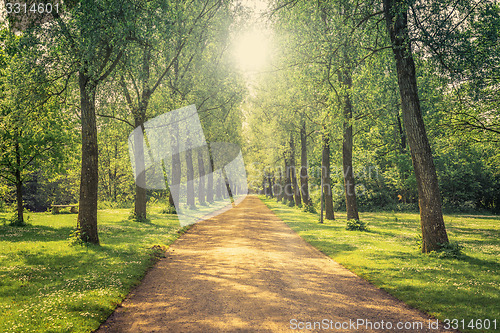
(252, 50)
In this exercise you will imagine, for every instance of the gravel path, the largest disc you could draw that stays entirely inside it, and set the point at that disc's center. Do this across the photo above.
(246, 271)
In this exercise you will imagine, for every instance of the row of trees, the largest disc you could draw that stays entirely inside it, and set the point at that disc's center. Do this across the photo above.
(340, 106)
(103, 68)
(357, 82)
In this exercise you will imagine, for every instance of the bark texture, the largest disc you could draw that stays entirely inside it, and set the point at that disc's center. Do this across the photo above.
(201, 180)
(19, 185)
(288, 181)
(279, 187)
(87, 213)
(19, 198)
(190, 177)
(325, 176)
(347, 144)
(210, 180)
(293, 174)
(304, 177)
(140, 191)
(429, 198)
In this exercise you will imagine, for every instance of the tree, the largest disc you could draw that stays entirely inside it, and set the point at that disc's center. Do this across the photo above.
(431, 216)
(33, 128)
(460, 39)
(326, 191)
(92, 37)
(178, 44)
(293, 173)
(304, 178)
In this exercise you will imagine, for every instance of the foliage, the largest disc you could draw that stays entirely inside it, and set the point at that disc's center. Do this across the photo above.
(133, 217)
(309, 209)
(449, 250)
(34, 128)
(14, 221)
(75, 238)
(168, 210)
(357, 225)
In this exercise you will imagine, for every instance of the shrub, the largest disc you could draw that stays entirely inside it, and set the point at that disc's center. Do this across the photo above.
(356, 225)
(446, 251)
(449, 251)
(309, 209)
(132, 216)
(168, 210)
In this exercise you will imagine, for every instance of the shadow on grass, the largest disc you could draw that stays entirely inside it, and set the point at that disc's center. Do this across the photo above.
(483, 264)
(486, 233)
(38, 233)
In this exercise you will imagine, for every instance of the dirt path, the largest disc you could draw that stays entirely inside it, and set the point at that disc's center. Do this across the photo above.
(246, 271)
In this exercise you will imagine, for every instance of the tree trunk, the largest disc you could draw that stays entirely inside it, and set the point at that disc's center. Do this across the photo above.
(270, 186)
(140, 117)
(325, 174)
(210, 181)
(401, 134)
(19, 185)
(279, 195)
(273, 186)
(304, 178)
(347, 144)
(293, 174)
(288, 181)
(190, 177)
(201, 179)
(19, 199)
(218, 190)
(140, 191)
(87, 213)
(429, 198)
(171, 201)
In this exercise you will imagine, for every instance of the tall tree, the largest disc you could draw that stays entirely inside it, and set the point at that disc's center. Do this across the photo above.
(431, 216)
(90, 38)
(347, 148)
(32, 124)
(163, 59)
(326, 181)
(293, 173)
(304, 178)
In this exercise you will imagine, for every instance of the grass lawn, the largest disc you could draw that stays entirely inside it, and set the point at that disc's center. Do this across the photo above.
(467, 288)
(48, 285)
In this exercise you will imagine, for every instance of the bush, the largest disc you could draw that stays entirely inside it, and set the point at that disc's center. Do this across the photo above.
(168, 210)
(448, 251)
(75, 238)
(356, 225)
(309, 209)
(132, 216)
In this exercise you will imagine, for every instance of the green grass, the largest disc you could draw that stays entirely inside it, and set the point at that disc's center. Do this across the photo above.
(387, 255)
(47, 285)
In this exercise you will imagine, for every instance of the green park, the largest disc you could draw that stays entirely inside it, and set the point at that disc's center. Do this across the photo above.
(250, 165)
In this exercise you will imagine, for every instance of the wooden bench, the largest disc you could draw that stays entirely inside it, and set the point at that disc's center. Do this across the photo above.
(56, 208)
